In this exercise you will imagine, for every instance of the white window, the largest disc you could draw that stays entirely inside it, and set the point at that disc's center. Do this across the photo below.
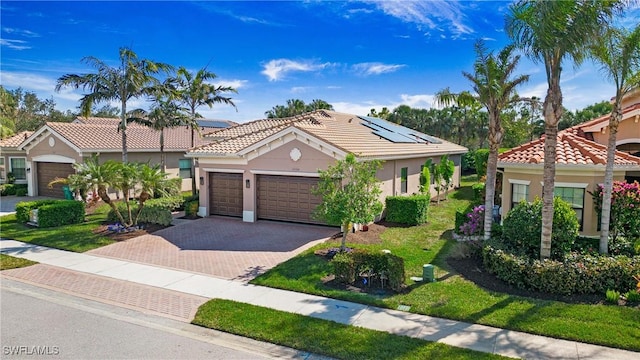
(519, 192)
(2, 172)
(18, 167)
(575, 197)
(185, 168)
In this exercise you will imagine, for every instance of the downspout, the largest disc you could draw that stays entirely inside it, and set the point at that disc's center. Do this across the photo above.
(395, 173)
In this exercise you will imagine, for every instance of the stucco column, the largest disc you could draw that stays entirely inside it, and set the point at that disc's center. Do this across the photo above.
(30, 179)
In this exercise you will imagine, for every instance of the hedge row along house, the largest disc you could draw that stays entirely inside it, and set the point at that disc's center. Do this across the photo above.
(36, 158)
(581, 157)
(265, 169)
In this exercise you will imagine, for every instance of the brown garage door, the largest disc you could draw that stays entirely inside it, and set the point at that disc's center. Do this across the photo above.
(225, 194)
(287, 198)
(49, 171)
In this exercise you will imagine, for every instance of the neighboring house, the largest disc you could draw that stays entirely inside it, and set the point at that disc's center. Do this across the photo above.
(50, 151)
(581, 157)
(13, 160)
(265, 169)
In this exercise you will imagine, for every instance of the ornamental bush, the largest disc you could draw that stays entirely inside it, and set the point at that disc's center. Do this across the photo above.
(625, 209)
(410, 210)
(24, 208)
(153, 212)
(348, 265)
(576, 274)
(61, 212)
(522, 228)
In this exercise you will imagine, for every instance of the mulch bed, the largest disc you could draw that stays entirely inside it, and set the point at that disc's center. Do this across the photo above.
(121, 236)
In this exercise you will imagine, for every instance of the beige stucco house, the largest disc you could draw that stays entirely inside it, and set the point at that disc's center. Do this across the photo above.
(265, 169)
(50, 151)
(13, 160)
(580, 164)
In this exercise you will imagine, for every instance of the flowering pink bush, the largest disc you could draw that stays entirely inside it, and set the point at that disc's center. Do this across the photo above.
(625, 209)
(475, 224)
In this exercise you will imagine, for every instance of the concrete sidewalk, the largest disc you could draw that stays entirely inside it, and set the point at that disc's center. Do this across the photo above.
(460, 334)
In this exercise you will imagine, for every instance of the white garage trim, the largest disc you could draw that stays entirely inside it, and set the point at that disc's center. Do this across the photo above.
(54, 159)
(285, 173)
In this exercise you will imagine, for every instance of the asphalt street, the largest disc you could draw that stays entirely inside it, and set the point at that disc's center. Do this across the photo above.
(38, 323)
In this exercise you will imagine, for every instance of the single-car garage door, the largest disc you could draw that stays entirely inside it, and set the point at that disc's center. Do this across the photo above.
(49, 171)
(287, 198)
(225, 194)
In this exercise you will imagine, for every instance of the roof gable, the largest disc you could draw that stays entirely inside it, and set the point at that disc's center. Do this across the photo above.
(15, 140)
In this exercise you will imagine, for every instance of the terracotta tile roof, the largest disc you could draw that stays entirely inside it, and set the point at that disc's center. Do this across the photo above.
(603, 121)
(344, 131)
(106, 137)
(15, 140)
(571, 150)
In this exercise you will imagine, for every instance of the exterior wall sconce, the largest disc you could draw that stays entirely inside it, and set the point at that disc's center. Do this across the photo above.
(28, 170)
(247, 183)
(637, 117)
(201, 180)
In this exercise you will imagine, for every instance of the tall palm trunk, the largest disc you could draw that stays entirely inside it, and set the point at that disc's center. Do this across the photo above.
(193, 163)
(495, 138)
(552, 114)
(123, 128)
(162, 156)
(614, 121)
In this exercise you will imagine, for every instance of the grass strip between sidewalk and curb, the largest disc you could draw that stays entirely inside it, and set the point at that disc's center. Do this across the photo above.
(322, 337)
(9, 262)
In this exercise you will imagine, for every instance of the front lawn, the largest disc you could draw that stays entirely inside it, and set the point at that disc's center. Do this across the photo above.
(454, 297)
(9, 262)
(322, 336)
(76, 237)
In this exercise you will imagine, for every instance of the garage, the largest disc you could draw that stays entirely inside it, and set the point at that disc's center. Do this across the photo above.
(287, 198)
(225, 194)
(48, 171)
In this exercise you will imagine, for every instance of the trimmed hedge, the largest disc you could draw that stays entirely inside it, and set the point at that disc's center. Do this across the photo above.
(577, 274)
(61, 212)
(153, 212)
(23, 208)
(478, 193)
(410, 210)
(348, 265)
(191, 208)
(13, 189)
(481, 157)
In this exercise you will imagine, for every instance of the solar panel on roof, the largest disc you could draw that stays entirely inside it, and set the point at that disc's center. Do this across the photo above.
(213, 123)
(396, 133)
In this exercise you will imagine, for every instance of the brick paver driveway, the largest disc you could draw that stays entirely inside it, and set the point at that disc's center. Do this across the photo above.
(220, 246)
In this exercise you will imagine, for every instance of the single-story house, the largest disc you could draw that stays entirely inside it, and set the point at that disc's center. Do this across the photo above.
(265, 169)
(50, 151)
(13, 160)
(581, 157)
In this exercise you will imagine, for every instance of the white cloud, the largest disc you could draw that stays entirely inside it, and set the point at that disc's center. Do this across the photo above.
(375, 68)
(277, 69)
(21, 32)
(234, 83)
(364, 107)
(428, 14)
(300, 89)
(417, 101)
(14, 44)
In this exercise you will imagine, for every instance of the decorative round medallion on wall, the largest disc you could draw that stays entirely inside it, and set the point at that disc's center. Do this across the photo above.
(295, 154)
(52, 142)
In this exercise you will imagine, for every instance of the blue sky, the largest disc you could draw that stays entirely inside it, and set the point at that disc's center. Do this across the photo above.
(356, 55)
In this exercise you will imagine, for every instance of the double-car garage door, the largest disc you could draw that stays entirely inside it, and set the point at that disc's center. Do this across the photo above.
(286, 198)
(49, 171)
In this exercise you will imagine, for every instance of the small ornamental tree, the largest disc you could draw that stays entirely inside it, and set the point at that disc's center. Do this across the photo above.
(350, 193)
(425, 177)
(625, 209)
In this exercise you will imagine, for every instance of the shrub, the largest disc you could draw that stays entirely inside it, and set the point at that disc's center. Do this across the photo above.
(469, 162)
(632, 296)
(625, 209)
(478, 193)
(170, 203)
(21, 191)
(522, 228)
(475, 222)
(152, 213)
(612, 296)
(410, 210)
(24, 208)
(347, 266)
(191, 208)
(461, 216)
(61, 212)
(7, 189)
(577, 274)
(481, 157)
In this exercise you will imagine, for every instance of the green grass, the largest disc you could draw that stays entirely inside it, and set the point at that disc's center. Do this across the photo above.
(454, 297)
(321, 336)
(76, 237)
(9, 262)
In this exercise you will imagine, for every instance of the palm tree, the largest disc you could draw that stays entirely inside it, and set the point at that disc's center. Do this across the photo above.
(618, 53)
(464, 102)
(318, 104)
(194, 91)
(152, 181)
(495, 88)
(552, 32)
(132, 79)
(163, 115)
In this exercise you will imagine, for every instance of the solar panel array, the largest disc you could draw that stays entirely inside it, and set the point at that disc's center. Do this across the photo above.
(396, 133)
(213, 123)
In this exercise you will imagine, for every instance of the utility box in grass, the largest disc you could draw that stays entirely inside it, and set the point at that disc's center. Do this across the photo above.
(428, 272)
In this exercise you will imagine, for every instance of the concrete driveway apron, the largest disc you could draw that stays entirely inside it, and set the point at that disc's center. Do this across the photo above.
(220, 246)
